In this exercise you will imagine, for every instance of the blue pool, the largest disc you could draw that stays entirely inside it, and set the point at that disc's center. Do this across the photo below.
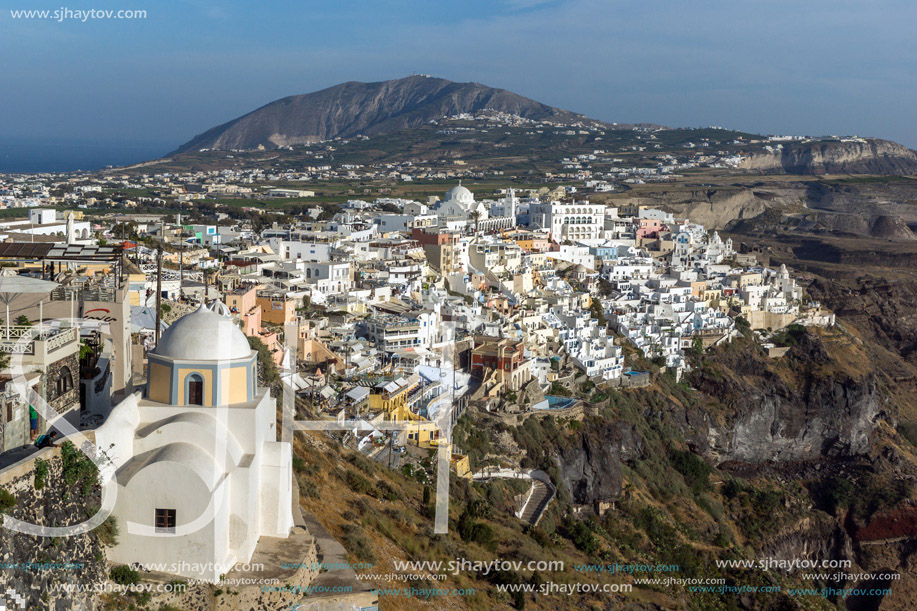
(555, 402)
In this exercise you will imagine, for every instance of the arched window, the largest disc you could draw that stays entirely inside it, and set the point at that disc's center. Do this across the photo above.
(64, 382)
(195, 389)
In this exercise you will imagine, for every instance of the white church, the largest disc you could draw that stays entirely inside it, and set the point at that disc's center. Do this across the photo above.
(200, 474)
(485, 216)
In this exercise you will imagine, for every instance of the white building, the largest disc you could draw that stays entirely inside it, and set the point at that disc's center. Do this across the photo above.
(200, 474)
(328, 278)
(583, 222)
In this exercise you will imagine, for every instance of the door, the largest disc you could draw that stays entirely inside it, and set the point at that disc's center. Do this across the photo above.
(195, 390)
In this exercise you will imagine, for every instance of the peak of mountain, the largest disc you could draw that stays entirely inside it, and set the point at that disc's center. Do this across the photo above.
(354, 108)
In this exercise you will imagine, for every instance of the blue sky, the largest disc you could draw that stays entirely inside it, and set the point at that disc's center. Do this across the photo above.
(777, 66)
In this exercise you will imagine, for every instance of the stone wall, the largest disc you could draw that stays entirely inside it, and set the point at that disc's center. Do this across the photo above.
(70, 398)
(33, 566)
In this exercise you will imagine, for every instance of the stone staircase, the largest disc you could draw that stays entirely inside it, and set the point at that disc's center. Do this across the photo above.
(539, 499)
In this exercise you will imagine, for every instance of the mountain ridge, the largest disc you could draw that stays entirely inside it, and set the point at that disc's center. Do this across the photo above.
(354, 108)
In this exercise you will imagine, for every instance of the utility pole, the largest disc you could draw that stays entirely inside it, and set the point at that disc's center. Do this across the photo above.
(181, 267)
(181, 259)
(158, 291)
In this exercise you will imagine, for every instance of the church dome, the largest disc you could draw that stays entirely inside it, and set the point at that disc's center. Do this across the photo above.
(203, 335)
(460, 194)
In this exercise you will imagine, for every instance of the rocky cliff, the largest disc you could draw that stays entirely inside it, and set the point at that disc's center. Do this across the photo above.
(354, 108)
(865, 156)
(812, 403)
(589, 468)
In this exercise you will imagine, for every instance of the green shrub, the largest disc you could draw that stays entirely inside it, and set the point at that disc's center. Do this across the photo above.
(42, 469)
(124, 575)
(357, 544)
(839, 492)
(692, 467)
(876, 493)
(7, 501)
(308, 489)
(358, 483)
(581, 535)
(908, 430)
(77, 469)
(107, 532)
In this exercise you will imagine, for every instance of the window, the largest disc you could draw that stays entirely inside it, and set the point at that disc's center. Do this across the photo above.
(165, 521)
(195, 389)
(64, 381)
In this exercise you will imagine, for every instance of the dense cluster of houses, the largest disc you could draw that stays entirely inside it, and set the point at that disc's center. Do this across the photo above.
(398, 310)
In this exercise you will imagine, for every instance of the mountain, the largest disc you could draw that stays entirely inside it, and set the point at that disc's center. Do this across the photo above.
(353, 108)
(860, 156)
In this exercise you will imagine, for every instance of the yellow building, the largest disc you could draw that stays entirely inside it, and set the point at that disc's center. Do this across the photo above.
(698, 288)
(746, 279)
(461, 465)
(276, 308)
(392, 398)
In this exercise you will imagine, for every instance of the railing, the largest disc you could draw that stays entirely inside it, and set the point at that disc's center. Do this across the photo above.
(61, 339)
(100, 292)
(22, 339)
(10, 346)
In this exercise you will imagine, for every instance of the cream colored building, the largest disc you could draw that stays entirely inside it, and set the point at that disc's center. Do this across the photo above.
(200, 474)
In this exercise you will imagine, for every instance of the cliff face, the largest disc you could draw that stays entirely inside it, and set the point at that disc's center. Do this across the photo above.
(829, 418)
(590, 467)
(355, 108)
(817, 402)
(809, 404)
(870, 156)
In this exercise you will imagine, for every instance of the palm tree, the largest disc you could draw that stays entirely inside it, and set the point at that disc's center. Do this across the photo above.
(475, 215)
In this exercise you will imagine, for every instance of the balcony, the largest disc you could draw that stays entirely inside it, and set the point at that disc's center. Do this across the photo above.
(28, 340)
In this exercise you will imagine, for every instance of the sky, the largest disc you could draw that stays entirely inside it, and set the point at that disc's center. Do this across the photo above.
(808, 67)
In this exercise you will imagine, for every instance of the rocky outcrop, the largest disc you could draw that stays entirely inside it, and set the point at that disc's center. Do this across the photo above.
(829, 418)
(590, 467)
(807, 405)
(40, 568)
(353, 108)
(862, 156)
(719, 208)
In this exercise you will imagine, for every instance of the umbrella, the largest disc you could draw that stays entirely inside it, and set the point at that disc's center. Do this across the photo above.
(12, 287)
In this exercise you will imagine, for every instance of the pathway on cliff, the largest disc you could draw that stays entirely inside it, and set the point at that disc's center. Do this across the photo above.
(539, 496)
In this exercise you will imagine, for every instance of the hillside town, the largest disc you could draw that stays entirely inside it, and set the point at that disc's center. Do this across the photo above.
(381, 323)
(511, 292)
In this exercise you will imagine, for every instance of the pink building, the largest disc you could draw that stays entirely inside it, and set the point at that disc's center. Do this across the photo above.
(650, 228)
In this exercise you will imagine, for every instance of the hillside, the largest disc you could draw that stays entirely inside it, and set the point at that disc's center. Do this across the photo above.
(641, 484)
(353, 108)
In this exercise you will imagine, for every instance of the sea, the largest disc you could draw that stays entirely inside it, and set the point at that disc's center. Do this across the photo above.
(29, 156)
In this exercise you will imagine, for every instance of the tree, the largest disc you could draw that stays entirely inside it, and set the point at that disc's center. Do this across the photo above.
(595, 308)
(268, 369)
(475, 216)
(606, 288)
